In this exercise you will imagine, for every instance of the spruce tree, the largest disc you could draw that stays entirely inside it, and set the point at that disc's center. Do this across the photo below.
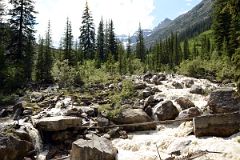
(48, 57)
(140, 47)
(40, 61)
(68, 43)
(112, 44)
(22, 21)
(186, 51)
(87, 36)
(100, 58)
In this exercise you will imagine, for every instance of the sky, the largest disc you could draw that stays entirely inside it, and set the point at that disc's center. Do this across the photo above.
(126, 14)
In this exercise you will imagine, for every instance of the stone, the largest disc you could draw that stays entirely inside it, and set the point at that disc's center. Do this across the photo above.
(196, 90)
(97, 148)
(224, 101)
(129, 116)
(177, 85)
(220, 125)
(90, 111)
(188, 83)
(185, 103)
(147, 76)
(189, 113)
(12, 148)
(147, 93)
(3, 113)
(102, 121)
(134, 116)
(139, 86)
(36, 97)
(58, 123)
(165, 111)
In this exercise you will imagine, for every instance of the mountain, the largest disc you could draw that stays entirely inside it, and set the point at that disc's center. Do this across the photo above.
(187, 25)
(163, 24)
(124, 38)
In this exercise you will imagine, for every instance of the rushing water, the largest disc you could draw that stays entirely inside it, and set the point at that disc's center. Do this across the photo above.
(170, 138)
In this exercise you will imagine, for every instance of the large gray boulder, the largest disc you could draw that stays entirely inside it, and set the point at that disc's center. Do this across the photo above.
(224, 101)
(12, 148)
(136, 117)
(58, 123)
(165, 111)
(97, 148)
(129, 116)
(195, 89)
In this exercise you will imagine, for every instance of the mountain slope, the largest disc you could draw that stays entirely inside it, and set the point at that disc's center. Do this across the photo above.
(199, 15)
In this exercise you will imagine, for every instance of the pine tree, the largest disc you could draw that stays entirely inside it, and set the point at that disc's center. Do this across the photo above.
(221, 24)
(186, 51)
(140, 47)
(48, 57)
(112, 44)
(87, 36)
(100, 58)
(68, 43)
(22, 23)
(40, 61)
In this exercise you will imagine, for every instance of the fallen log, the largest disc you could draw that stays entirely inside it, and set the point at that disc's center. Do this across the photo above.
(220, 125)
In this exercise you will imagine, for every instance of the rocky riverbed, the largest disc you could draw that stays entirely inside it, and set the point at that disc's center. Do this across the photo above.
(86, 123)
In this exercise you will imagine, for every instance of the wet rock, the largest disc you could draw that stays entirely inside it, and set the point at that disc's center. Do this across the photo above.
(196, 90)
(149, 103)
(18, 110)
(27, 112)
(188, 83)
(221, 125)
(224, 101)
(97, 148)
(189, 113)
(129, 116)
(12, 148)
(165, 111)
(147, 76)
(177, 85)
(147, 93)
(74, 112)
(90, 111)
(185, 103)
(36, 97)
(3, 113)
(58, 123)
(139, 86)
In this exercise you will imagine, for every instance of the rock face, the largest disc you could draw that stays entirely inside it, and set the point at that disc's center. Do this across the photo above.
(12, 148)
(59, 123)
(185, 103)
(177, 85)
(189, 113)
(222, 125)
(224, 101)
(94, 149)
(165, 111)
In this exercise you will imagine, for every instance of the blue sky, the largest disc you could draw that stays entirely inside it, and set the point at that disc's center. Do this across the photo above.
(126, 14)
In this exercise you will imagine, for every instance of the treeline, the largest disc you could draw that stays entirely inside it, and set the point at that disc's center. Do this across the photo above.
(96, 54)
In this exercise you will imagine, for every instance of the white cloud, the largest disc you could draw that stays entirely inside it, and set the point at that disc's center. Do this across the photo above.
(126, 14)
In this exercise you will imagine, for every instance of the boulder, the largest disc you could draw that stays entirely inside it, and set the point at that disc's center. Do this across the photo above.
(97, 148)
(147, 76)
(58, 123)
(165, 111)
(224, 101)
(189, 113)
(185, 103)
(3, 113)
(137, 117)
(12, 148)
(188, 83)
(221, 125)
(129, 116)
(36, 97)
(149, 103)
(177, 85)
(138, 86)
(196, 90)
